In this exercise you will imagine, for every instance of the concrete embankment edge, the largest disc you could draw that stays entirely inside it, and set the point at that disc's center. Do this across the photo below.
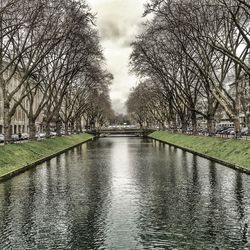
(38, 162)
(227, 164)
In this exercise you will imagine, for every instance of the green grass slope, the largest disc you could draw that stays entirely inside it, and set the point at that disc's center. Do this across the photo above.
(14, 156)
(229, 150)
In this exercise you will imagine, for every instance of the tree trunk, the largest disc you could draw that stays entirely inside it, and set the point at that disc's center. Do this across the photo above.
(210, 126)
(32, 128)
(184, 125)
(72, 126)
(87, 125)
(248, 122)
(58, 123)
(162, 126)
(236, 119)
(236, 122)
(174, 124)
(194, 122)
(47, 129)
(66, 125)
(7, 122)
(9, 129)
(79, 126)
(212, 107)
(58, 127)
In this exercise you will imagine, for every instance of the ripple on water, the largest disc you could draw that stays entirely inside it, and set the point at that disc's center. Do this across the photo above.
(126, 193)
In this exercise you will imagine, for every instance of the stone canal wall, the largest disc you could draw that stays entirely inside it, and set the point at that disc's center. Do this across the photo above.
(229, 152)
(17, 158)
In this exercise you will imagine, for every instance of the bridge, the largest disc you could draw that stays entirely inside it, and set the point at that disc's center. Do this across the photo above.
(121, 132)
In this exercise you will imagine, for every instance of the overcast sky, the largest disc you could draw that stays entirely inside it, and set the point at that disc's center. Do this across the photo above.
(118, 23)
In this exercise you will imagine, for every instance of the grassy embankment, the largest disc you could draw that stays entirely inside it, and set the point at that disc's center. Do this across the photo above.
(229, 150)
(14, 156)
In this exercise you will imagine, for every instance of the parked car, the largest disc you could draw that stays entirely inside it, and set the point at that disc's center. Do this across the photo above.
(40, 135)
(1, 138)
(228, 131)
(15, 137)
(244, 131)
(232, 132)
(203, 131)
(221, 130)
(25, 136)
(53, 133)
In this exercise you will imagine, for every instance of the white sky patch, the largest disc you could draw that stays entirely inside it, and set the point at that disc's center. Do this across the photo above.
(118, 22)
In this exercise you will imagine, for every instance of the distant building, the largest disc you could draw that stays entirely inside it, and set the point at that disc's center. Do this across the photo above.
(19, 121)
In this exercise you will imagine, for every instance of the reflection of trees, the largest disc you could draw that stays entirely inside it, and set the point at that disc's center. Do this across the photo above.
(5, 205)
(161, 212)
(183, 201)
(213, 185)
(241, 209)
(91, 206)
(17, 215)
(61, 203)
(193, 223)
(28, 211)
(226, 211)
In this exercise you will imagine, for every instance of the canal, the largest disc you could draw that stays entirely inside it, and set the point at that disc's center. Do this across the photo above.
(126, 193)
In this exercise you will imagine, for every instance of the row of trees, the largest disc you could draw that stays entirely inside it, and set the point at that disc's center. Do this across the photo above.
(51, 63)
(193, 59)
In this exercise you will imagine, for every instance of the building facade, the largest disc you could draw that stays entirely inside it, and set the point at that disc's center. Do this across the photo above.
(19, 122)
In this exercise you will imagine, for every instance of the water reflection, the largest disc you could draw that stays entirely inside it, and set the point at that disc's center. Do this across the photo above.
(126, 193)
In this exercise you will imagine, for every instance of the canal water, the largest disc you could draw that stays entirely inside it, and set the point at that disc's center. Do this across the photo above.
(126, 193)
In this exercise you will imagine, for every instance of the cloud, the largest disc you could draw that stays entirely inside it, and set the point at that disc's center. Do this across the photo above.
(110, 30)
(118, 22)
(119, 106)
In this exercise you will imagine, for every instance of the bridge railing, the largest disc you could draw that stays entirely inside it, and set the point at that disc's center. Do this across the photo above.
(121, 131)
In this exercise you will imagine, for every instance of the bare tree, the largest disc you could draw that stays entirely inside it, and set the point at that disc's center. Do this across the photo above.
(198, 52)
